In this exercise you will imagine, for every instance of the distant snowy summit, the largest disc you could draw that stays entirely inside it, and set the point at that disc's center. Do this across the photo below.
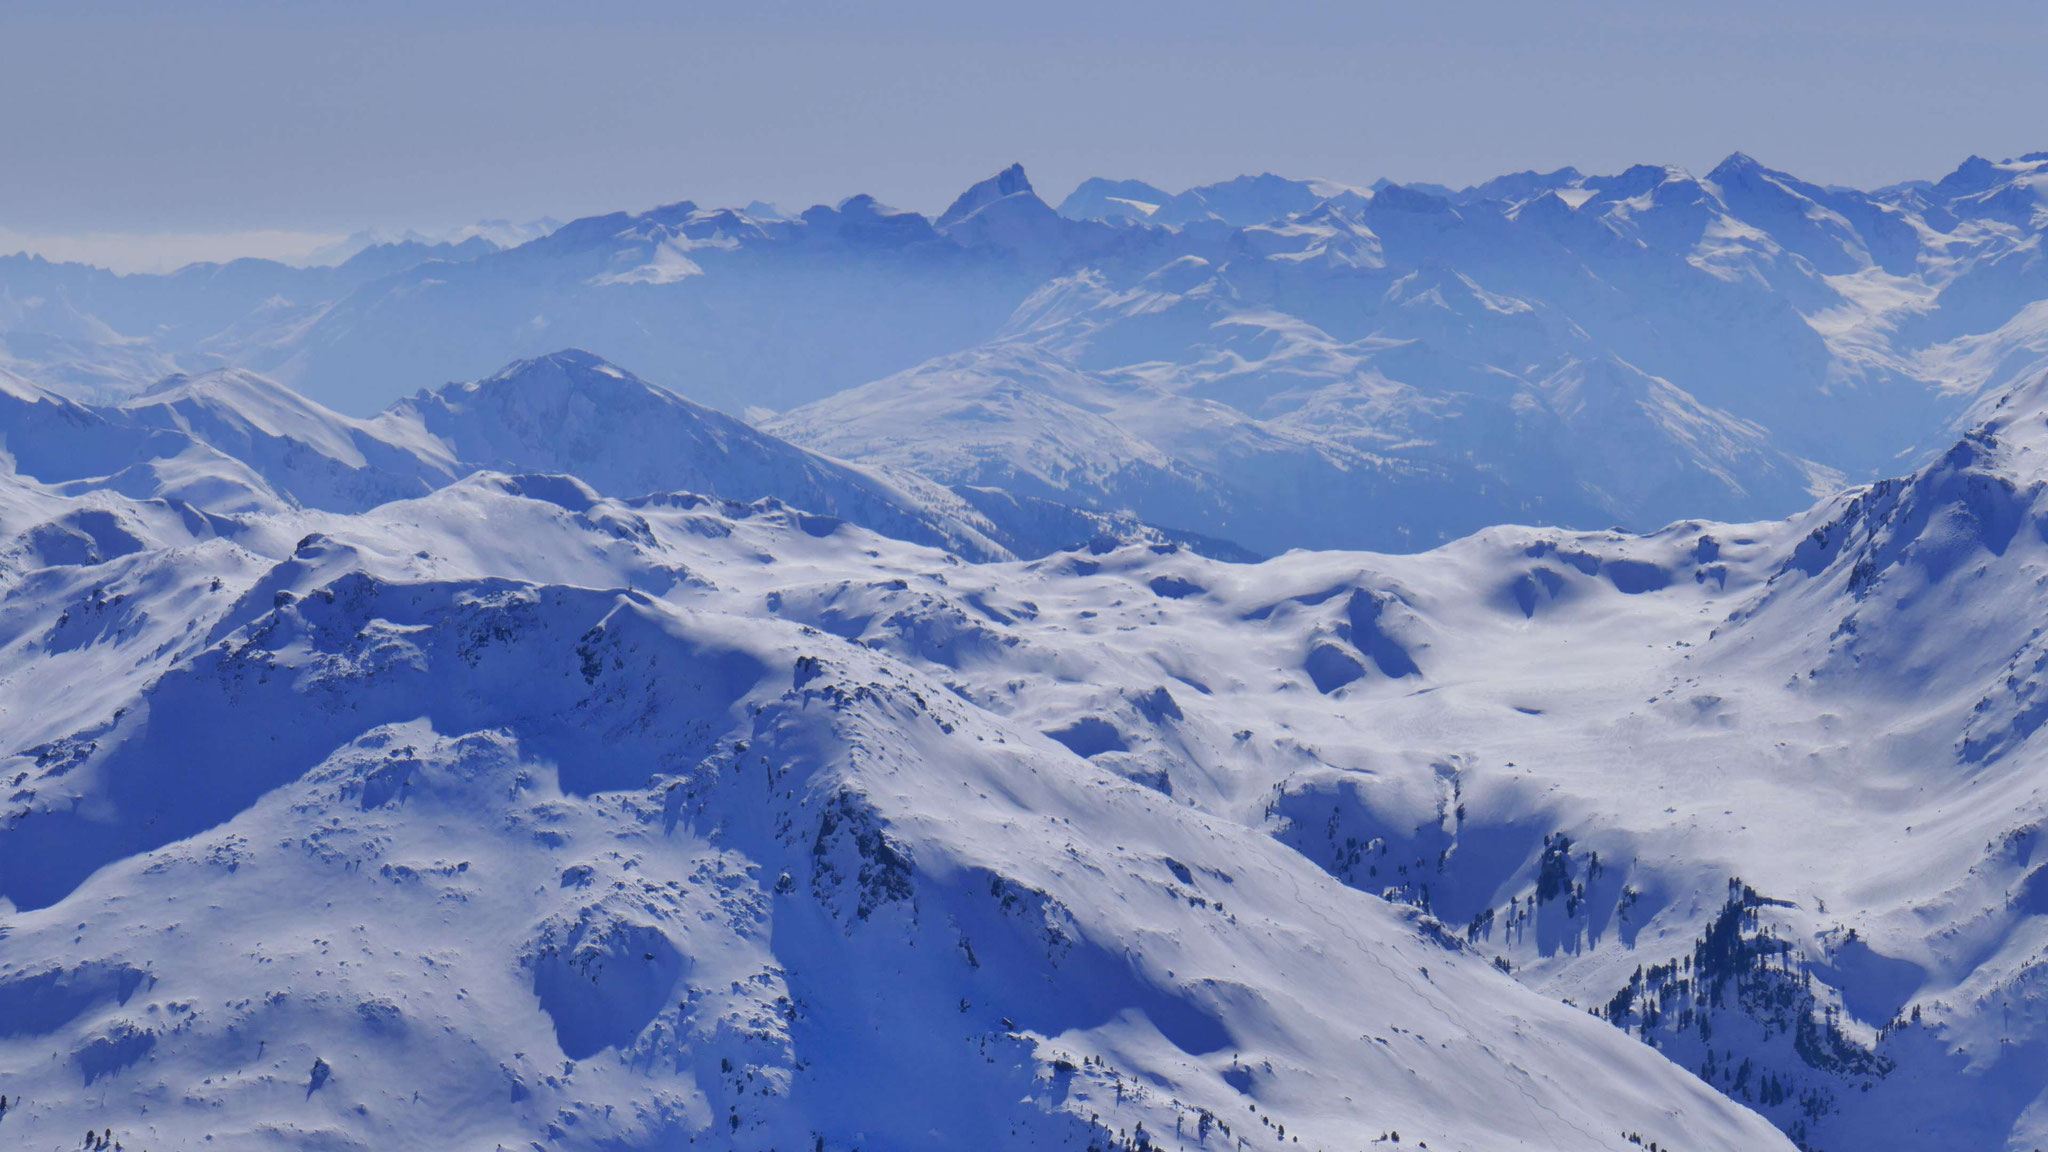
(462, 243)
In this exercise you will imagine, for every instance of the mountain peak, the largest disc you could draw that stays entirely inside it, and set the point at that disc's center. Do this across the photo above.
(1737, 164)
(560, 373)
(1010, 181)
(215, 381)
(209, 403)
(1972, 175)
(564, 359)
(1406, 198)
(1098, 198)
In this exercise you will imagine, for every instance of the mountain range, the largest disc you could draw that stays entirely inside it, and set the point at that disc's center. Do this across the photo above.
(1557, 348)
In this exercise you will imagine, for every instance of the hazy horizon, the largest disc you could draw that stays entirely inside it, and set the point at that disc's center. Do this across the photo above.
(169, 250)
(228, 128)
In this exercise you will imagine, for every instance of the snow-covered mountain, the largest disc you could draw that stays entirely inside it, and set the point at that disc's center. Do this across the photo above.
(614, 820)
(572, 413)
(513, 815)
(1016, 418)
(1361, 463)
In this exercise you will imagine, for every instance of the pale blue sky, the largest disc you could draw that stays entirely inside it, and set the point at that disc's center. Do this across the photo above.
(218, 116)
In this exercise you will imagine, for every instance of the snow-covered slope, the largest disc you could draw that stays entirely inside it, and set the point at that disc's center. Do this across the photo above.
(1765, 795)
(571, 412)
(305, 453)
(1014, 417)
(1352, 459)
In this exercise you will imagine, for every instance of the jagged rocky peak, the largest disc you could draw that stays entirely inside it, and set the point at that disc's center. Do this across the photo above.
(1636, 180)
(1741, 175)
(1409, 198)
(1736, 163)
(1009, 182)
(1971, 176)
